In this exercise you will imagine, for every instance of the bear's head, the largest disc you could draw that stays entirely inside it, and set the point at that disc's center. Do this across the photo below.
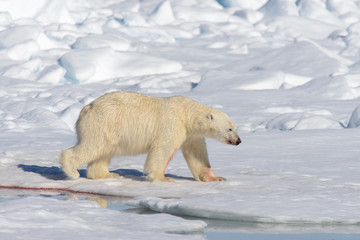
(221, 128)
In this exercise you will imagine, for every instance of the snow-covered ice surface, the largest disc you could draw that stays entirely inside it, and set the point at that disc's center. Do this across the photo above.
(33, 218)
(287, 72)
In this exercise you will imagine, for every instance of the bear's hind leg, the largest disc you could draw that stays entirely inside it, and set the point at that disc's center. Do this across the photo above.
(69, 163)
(99, 169)
(75, 157)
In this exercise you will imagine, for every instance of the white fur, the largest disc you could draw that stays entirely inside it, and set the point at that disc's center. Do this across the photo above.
(127, 123)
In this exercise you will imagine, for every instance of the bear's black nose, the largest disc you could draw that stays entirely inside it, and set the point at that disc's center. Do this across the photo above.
(238, 141)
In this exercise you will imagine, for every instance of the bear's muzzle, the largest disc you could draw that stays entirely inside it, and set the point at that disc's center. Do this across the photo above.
(234, 142)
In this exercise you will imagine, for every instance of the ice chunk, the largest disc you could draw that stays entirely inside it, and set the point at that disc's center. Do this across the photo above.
(283, 122)
(163, 14)
(352, 42)
(342, 87)
(355, 118)
(299, 121)
(92, 26)
(254, 4)
(95, 65)
(56, 11)
(251, 16)
(46, 43)
(126, 6)
(293, 26)
(16, 35)
(273, 70)
(275, 80)
(71, 114)
(5, 18)
(116, 42)
(32, 118)
(22, 8)
(278, 59)
(25, 70)
(315, 10)
(131, 19)
(275, 8)
(23, 51)
(17, 72)
(52, 74)
(317, 122)
(44, 11)
(341, 7)
(198, 15)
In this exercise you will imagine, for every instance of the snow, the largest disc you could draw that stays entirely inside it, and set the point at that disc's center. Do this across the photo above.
(286, 72)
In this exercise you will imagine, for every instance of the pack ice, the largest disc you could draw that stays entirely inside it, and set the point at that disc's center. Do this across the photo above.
(286, 72)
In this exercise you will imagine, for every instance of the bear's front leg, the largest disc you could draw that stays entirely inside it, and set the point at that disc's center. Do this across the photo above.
(210, 176)
(195, 153)
(156, 163)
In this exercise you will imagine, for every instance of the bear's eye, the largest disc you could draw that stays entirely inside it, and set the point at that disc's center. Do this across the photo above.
(230, 129)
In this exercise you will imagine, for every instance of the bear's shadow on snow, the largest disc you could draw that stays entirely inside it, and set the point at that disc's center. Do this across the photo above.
(137, 175)
(55, 173)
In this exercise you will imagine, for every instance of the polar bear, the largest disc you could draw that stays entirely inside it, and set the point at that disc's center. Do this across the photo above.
(129, 123)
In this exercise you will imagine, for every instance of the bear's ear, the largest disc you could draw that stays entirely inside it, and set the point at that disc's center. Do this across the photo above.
(210, 117)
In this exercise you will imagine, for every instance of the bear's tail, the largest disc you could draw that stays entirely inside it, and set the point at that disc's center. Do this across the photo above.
(85, 110)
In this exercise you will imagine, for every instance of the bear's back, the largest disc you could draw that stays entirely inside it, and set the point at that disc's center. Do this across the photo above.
(133, 99)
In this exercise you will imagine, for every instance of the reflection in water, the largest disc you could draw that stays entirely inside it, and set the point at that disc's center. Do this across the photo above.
(74, 197)
(102, 202)
(114, 203)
